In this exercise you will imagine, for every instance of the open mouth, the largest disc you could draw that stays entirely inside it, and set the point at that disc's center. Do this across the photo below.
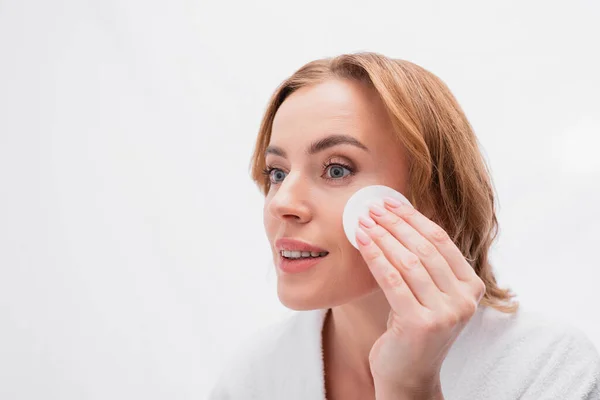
(302, 255)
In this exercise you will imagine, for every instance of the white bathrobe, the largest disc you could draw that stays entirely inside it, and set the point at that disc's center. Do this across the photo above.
(497, 356)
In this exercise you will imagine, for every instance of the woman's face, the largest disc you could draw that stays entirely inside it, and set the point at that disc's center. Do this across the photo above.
(311, 184)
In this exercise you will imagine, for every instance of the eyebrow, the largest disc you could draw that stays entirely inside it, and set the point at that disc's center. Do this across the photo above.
(320, 145)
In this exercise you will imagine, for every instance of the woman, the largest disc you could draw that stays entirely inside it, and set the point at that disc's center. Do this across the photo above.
(415, 312)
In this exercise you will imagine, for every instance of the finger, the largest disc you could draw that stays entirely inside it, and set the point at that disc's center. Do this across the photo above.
(437, 236)
(398, 294)
(409, 236)
(406, 263)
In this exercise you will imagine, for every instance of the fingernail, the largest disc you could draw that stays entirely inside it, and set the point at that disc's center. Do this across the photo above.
(377, 210)
(392, 202)
(362, 237)
(366, 221)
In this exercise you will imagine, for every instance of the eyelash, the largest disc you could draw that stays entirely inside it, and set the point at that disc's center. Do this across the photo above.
(268, 169)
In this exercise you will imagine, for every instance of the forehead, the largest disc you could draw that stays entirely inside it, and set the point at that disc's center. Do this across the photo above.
(332, 107)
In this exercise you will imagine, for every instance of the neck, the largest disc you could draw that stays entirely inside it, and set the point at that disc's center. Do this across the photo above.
(349, 332)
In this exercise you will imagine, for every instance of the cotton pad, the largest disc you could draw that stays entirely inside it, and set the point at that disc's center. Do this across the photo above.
(358, 204)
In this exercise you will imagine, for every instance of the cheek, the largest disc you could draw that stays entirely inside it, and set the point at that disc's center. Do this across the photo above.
(335, 228)
(267, 219)
(336, 219)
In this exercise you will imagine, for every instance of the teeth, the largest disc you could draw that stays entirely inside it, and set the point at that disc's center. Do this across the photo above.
(302, 254)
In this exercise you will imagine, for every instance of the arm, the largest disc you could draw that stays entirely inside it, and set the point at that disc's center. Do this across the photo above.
(388, 393)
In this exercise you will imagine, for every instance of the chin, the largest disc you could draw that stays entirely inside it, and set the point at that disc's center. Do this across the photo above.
(323, 287)
(299, 298)
(297, 307)
(298, 302)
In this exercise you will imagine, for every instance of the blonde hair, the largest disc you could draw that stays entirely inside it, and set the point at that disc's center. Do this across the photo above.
(447, 173)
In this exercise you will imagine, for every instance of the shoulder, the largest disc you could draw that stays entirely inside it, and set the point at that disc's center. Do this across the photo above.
(526, 354)
(526, 330)
(270, 356)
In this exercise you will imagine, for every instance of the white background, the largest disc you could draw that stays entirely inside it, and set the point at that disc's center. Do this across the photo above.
(132, 253)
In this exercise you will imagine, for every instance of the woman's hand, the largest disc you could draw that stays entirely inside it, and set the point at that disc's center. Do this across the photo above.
(432, 290)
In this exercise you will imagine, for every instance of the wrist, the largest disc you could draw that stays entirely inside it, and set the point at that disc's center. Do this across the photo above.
(384, 392)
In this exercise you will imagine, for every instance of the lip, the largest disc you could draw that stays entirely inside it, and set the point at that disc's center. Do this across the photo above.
(296, 245)
(296, 266)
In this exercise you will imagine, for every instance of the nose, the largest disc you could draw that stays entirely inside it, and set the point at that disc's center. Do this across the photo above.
(291, 199)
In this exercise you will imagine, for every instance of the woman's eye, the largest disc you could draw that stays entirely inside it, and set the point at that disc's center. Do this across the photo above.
(277, 173)
(332, 172)
(337, 171)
